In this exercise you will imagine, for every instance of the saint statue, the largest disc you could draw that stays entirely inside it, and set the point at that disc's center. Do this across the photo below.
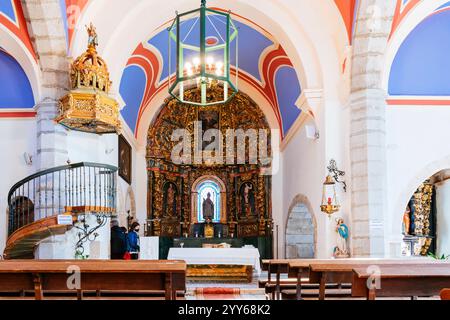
(171, 201)
(341, 250)
(93, 39)
(407, 220)
(248, 200)
(208, 208)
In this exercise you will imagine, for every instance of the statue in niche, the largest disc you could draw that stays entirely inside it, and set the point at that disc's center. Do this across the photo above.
(171, 200)
(407, 220)
(247, 200)
(208, 208)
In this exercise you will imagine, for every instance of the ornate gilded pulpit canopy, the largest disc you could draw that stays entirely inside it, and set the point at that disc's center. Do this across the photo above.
(88, 107)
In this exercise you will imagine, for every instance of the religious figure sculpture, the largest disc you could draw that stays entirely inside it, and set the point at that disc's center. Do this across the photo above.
(406, 220)
(92, 36)
(341, 250)
(208, 208)
(248, 200)
(171, 201)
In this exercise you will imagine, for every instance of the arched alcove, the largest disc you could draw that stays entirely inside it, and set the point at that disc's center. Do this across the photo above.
(300, 230)
(196, 195)
(426, 222)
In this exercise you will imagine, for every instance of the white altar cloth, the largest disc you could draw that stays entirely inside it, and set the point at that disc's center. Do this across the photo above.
(229, 256)
(149, 248)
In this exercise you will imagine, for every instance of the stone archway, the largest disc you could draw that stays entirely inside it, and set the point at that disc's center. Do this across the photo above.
(300, 230)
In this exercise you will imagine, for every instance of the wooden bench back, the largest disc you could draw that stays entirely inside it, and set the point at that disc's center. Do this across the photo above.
(116, 275)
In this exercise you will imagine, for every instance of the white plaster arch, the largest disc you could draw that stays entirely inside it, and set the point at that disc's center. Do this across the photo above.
(14, 47)
(311, 32)
(413, 18)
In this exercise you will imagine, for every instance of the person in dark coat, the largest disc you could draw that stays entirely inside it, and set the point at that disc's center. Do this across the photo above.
(118, 241)
(133, 246)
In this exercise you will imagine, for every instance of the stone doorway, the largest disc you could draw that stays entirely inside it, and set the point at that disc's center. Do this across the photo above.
(300, 231)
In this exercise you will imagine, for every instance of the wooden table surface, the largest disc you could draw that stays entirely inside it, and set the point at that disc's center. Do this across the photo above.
(92, 266)
(408, 271)
(97, 275)
(340, 270)
(401, 281)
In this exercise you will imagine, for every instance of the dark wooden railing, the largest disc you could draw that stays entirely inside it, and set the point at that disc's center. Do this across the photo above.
(73, 188)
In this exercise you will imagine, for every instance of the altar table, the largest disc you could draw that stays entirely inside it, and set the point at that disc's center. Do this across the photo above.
(219, 256)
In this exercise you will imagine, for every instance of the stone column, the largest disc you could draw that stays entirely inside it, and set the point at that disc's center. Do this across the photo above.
(45, 26)
(368, 127)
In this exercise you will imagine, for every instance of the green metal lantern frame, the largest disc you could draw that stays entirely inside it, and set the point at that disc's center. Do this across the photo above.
(203, 76)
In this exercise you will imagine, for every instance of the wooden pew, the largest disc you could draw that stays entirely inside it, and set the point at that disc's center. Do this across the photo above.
(95, 275)
(421, 280)
(296, 276)
(277, 267)
(340, 270)
(300, 268)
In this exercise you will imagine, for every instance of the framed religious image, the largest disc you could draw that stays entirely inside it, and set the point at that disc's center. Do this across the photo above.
(209, 119)
(125, 159)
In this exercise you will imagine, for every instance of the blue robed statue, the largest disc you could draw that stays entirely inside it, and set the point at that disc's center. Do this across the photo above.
(341, 250)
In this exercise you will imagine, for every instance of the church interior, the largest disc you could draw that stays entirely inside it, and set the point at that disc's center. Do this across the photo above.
(225, 150)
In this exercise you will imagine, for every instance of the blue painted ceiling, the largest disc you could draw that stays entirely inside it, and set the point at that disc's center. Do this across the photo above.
(422, 66)
(15, 89)
(253, 44)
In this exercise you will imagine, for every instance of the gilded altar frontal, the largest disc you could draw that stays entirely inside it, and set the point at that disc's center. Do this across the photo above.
(216, 151)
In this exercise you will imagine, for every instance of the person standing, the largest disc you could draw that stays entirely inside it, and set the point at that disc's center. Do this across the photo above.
(118, 241)
(133, 246)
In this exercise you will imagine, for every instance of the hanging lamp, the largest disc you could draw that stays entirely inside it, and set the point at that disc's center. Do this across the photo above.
(203, 44)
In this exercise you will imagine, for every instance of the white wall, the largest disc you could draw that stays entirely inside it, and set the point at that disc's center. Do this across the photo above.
(63, 246)
(443, 218)
(104, 149)
(305, 162)
(417, 148)
(17, 137)
(88, 147)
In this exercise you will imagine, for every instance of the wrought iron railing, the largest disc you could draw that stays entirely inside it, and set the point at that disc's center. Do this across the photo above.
(76, 188)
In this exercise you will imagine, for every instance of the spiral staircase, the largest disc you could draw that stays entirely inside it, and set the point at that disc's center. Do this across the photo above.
(37, 203)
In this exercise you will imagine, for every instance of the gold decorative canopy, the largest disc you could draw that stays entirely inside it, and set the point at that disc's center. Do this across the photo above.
(88, 107)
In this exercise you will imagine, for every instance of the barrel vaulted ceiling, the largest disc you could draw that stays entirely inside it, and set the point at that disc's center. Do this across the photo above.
(421, 67)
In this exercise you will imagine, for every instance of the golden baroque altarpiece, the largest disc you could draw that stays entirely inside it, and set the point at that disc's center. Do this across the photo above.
(172, 211)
